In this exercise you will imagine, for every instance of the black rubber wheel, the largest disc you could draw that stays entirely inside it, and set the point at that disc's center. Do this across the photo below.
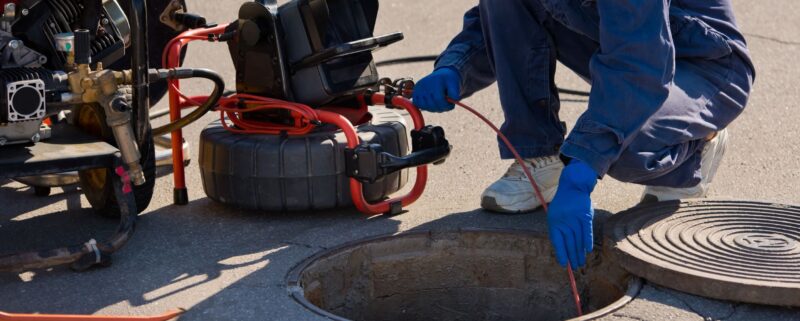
(41, 191)
(95, 183)
(285, 174)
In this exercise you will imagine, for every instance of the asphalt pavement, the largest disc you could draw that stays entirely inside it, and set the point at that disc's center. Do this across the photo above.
(227, 264)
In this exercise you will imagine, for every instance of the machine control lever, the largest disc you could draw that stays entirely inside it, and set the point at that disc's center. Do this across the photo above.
(369, 163)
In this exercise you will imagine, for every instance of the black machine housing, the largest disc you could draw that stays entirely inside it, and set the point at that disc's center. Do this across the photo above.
(319, 52)
(308, 51)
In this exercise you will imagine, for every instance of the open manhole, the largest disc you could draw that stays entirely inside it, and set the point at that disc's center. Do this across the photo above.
(457, 275)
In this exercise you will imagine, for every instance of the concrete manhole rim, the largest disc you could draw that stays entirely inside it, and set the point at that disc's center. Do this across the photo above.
(658, 270)
(297, 293)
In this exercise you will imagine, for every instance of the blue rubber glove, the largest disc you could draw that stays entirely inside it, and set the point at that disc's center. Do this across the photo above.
(431, 92)
(570, 214)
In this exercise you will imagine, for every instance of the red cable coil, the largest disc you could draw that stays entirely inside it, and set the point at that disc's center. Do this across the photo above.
(234, 106)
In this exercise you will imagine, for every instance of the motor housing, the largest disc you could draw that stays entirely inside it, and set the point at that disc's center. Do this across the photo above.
(33, 58)
(24, 93)
(45, 19)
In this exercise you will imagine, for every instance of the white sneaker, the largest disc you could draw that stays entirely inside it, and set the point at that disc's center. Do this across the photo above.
(710, 159)
(513, 192)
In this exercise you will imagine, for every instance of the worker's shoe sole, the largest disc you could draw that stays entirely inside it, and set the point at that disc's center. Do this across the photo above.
(711, 157)
(513, 193)
(490, 204)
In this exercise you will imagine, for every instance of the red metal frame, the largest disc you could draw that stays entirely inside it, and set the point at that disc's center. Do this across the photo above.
(331, 115)
(356, 188)
(172, 59)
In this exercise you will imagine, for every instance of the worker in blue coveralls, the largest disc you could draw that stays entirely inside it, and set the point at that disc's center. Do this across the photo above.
(667, 78)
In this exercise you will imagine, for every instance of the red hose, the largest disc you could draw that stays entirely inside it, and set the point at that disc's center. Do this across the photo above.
(575, 295)
(303, 116)
(4, 316)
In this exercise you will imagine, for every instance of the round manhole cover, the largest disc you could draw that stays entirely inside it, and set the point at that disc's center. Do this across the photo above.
(454, 275)
(730, 250)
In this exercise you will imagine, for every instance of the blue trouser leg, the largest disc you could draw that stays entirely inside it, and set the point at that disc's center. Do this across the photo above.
(523, 57)
(526, 37)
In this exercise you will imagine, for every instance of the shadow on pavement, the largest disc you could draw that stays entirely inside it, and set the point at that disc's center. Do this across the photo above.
(215, 260)
(179, 255)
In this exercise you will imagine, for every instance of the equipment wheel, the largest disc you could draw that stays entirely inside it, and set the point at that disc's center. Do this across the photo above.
(95, 183)
(286, 174)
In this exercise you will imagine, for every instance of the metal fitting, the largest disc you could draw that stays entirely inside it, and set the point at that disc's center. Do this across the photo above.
(10, 10)
(65, 42)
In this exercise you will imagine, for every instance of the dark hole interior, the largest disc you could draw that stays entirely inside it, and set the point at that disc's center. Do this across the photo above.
(462, 275)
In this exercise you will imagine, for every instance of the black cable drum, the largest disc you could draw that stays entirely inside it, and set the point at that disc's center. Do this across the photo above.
(285, 174)
(729, 250)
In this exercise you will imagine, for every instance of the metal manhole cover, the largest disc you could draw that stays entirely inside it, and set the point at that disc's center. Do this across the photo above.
(729, 250)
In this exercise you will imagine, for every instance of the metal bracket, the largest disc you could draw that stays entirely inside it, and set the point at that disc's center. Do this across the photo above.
(368, 163)
(167, 16)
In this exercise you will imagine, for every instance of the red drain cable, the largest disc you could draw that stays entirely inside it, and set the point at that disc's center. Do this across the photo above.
(305, 118)
(575, 295)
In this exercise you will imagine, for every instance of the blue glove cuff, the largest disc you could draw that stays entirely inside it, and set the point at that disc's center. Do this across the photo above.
(579, 175)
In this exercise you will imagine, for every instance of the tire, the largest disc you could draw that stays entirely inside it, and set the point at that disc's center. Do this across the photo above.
(288, 174)
(94, 182)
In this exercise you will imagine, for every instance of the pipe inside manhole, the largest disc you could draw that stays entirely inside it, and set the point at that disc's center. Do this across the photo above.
(455, 275)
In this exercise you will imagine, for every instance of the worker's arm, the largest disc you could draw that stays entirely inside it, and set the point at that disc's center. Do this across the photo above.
(462, 69)
(467, 54)
(631, 76)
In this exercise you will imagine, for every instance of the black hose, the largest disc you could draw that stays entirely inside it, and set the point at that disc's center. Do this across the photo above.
(406, 60)
(573, 92)
(213, 99)
(426, 58)
(165, 111)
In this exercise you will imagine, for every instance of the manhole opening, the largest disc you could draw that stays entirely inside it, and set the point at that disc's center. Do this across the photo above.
(459, 275)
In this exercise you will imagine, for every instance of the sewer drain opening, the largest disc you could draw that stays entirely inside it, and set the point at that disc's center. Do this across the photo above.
(459, 275)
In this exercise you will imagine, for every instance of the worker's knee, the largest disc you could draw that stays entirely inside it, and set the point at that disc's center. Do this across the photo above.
(633, 167)
(644, 163)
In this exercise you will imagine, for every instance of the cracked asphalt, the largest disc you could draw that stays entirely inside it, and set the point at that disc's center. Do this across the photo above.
(226, 264)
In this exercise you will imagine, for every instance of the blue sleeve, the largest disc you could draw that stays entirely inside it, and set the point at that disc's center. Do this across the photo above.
(631, 76)
(468, 55)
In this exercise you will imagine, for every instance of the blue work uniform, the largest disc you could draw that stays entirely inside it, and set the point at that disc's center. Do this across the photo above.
(664, 74)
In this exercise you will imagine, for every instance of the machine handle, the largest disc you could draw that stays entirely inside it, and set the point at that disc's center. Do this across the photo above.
(369, 163)
(394, 205)
(346, 49)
